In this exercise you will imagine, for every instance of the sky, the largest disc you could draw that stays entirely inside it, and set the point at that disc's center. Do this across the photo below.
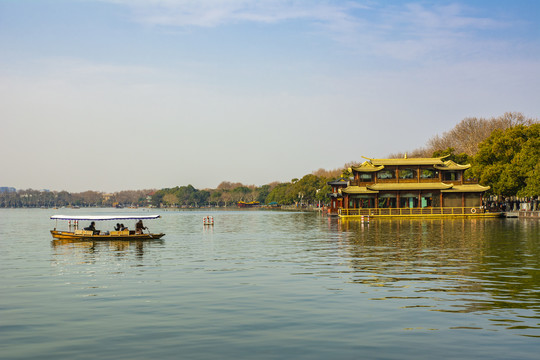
(112, 95)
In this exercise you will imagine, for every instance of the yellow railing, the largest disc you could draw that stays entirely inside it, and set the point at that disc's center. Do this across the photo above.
(443, 211)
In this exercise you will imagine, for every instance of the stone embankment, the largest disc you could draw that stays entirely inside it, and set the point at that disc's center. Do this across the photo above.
(525, 214)
(301, 208)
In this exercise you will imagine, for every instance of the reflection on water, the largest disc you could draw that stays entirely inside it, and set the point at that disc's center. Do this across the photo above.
(462, 266)
(120, 248)
(83, 251)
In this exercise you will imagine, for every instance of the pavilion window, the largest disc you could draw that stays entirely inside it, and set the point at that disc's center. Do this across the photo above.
(368, 203)
(451, 175)
(429, 174)
(387, 201)
(407, 174)
(472, 200)
(408, 200)
(364, 201)
(386, 174)
(426, 200)
(436, 200)
(365, 177)
(452, 200)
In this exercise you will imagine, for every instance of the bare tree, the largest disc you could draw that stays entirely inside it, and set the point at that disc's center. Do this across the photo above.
(329, 174)
(468, 133)
(227, 185)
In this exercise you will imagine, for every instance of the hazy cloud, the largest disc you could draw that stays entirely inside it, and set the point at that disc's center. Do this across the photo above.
(211, 13)
(221, 12)
(405, 32)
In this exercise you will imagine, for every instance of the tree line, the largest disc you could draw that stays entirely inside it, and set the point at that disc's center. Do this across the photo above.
(45, 198)
(504, 153)
(310, 189)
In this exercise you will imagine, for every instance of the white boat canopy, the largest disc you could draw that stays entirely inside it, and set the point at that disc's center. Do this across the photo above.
(104, 217)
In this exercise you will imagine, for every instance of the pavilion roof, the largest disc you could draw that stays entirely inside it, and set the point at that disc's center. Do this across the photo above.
(373, 165)
(409, 186)
(358, 190)
(451, 165)
(367, 166)
(340, 181)
(467, 188)
(407, 161)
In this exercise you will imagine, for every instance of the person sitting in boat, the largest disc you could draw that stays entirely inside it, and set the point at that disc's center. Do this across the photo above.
(118, 227)
(122, 227)
(139, 227)
(92, 228)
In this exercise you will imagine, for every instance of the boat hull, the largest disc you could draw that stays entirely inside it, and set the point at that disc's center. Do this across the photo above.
(69, 235)
(466, 212)
(424, 216)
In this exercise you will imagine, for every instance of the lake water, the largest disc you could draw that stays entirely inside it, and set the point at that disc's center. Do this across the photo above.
(271, 285)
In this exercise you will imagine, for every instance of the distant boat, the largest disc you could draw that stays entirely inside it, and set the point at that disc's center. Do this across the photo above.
(248, 204)
(75, 234)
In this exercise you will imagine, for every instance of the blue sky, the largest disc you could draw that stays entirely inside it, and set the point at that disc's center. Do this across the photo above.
(133, 94)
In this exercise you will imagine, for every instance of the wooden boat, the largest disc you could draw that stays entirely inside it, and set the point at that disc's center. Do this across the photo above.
(244, 204)
(74, 233)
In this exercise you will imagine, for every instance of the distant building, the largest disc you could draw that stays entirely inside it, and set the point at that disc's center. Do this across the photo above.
(5, 189)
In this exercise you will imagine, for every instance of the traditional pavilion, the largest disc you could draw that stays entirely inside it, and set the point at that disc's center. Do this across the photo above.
(336, 196)
(407, 187)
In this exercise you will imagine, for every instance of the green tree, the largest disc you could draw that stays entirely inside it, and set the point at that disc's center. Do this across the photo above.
(309, 189)
(528, 163)
(533, 183)
(508, 161)
(279, 194)
(215, 197)
(157, 197)
(203, 197)
(170, 199)
(322, 194)
(262, 193)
